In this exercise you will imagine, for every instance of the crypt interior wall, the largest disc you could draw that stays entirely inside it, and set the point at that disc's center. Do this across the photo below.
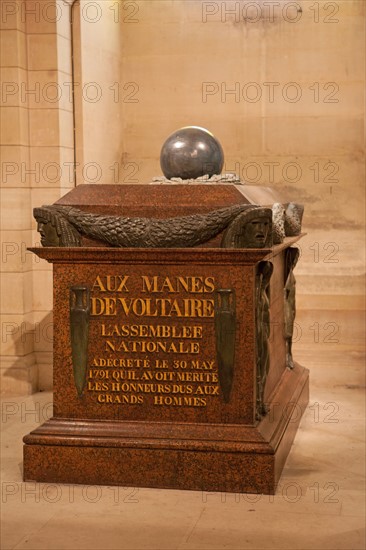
(37, 158)
(283, 91)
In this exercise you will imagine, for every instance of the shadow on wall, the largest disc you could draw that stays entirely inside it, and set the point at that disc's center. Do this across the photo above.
(29, 368)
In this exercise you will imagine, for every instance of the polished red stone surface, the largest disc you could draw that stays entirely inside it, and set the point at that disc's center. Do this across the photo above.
(204, 443)
(155, 201)
(163, 201)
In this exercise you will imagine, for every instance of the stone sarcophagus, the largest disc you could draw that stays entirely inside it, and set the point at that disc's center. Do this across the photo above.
(173, 318)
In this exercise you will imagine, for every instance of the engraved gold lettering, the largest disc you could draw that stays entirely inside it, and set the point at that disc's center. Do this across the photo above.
(209, 284)
(125, 305)
(150, 346)
(197, 377)
(165, 307)
(207, 390)
(149, 311)
(149, 284)
(123, 399)
(167, 286)
(126, 375)
(207, 308)
(98, 284)
(151, 331)
(103, 306)
(175, 309)
(98, 386)
(189, 284)
(202, 365)
(112, 283)
(179, 401)
(183, 282)
(122, 284)
(197, 284)
(120, 362)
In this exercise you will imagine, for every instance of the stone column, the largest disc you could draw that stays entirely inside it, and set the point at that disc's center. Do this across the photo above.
(37, 140)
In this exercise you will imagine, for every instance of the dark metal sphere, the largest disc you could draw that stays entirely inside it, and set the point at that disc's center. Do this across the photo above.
(190, 153)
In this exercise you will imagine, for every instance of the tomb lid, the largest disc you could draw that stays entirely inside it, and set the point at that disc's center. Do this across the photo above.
(165, 200)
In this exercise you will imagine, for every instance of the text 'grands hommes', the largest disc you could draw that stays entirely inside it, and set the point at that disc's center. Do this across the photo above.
(152, 305)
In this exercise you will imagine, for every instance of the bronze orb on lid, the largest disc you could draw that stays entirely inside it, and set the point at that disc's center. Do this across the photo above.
(191, 152)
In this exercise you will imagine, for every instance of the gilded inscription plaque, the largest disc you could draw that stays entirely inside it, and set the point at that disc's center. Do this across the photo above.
(151, 341)
(156, 345)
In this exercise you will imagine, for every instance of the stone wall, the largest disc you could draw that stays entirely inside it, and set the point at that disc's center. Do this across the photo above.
(37, 142)
(280, 83)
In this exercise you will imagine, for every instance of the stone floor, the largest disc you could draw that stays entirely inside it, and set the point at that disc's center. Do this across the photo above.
(319, 504)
